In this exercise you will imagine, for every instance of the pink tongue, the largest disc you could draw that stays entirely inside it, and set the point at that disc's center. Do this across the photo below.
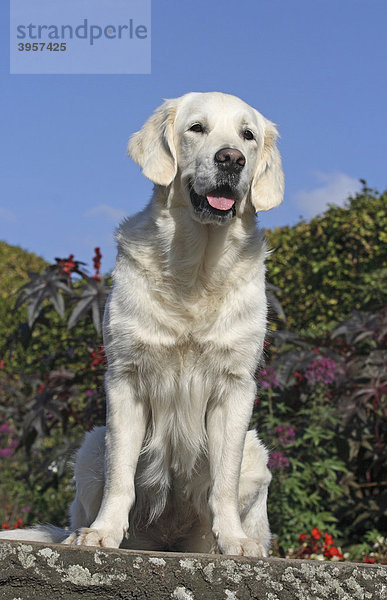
(220, 203)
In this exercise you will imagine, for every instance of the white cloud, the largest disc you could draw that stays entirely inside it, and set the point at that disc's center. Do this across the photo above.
(7, 215)
(115, 214)
(334, 188)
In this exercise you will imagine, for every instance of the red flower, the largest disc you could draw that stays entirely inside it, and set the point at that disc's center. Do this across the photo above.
(69, 264)
(302, 537)
(333, 551)
(367, 559)
(18, 524)
(97, 357)
(328, 539)
(316, 533)
(5, 525)
(66, 266)
(97, 264)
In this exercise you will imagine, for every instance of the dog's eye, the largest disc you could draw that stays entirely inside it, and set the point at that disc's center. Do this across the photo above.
(197, 127)
(248, 135)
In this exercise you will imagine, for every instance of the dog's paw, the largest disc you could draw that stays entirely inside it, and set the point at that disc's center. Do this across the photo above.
(70, 540)
(93, 537)
(241, 547)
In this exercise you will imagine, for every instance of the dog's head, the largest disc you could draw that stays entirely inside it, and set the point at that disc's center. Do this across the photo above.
(223, 151)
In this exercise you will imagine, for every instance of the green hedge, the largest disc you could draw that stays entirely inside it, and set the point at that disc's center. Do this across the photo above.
(332, 265)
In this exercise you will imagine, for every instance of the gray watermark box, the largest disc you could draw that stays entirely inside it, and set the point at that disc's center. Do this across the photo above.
(80, 36)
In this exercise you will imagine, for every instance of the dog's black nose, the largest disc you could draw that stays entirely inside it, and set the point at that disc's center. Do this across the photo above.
(230, 158)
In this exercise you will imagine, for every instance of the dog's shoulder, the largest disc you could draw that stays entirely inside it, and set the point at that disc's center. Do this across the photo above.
(134, 229)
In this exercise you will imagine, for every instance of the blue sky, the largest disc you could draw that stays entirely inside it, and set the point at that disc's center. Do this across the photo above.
(315, 67)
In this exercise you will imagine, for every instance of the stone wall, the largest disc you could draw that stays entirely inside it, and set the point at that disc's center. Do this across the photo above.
(32, 571)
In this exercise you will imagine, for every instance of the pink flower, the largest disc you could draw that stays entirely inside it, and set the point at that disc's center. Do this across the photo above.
(321, 370)
(5, 428)
(286, 435)
(278, 461)
(6, 452)
(269, 378)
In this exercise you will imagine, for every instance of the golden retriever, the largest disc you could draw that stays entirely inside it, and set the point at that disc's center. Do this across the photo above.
(175, 468)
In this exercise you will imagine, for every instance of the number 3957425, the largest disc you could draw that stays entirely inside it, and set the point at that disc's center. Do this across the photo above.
(40, 46)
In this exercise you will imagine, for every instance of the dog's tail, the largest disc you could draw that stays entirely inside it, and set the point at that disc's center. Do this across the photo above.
(40, 533)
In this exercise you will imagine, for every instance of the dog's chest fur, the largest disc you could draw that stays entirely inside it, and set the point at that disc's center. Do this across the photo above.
(179, 296)
(162, 316)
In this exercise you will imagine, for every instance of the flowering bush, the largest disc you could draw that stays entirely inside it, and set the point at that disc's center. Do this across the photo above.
(317, 545)
(376, 550)
(320, 410)
(55, 284)
(320, 545)
(56, 391)
(321, 370)
(299, 425)
(10, 520)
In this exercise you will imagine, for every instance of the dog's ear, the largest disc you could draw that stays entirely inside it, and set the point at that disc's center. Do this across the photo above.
(153, 147)
(267, 188)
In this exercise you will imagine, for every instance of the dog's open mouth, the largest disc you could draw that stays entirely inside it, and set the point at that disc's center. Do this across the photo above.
(219, 202)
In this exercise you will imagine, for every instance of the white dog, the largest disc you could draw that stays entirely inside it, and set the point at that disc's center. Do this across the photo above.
(184, 326)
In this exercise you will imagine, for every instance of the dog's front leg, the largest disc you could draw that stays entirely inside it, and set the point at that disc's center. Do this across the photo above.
(227, 423)
(125, 431)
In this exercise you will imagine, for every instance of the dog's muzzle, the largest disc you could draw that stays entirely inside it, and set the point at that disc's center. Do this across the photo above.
(219, 203)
